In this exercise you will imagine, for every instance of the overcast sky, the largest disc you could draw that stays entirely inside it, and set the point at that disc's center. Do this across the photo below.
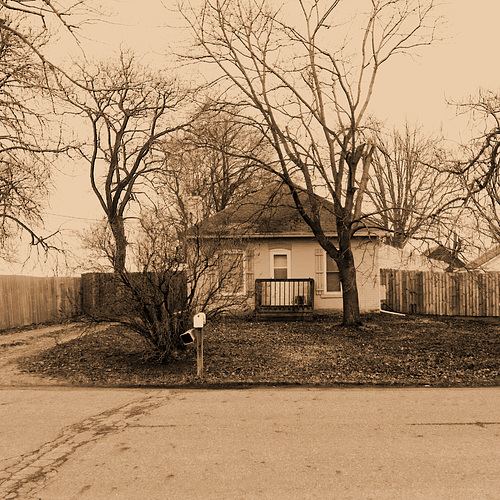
(413, 89)
(418, 88)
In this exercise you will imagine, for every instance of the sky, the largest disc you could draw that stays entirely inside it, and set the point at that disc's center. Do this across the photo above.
(413, 89)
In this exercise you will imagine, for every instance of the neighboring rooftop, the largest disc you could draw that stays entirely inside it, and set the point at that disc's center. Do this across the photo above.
(486, 258)
(443, 254)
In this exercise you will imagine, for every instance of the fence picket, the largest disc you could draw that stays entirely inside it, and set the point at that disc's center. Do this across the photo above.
(462, 294)
(468, 296)
(495, 296)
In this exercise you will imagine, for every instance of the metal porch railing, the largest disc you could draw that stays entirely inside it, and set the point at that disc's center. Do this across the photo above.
(284, 296)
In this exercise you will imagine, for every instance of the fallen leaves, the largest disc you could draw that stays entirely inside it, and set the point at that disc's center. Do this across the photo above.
(385, 351)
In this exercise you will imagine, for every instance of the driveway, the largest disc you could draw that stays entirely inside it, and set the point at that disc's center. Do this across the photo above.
(23, 343)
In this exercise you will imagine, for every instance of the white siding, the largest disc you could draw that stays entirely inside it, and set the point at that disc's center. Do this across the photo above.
(304, 256)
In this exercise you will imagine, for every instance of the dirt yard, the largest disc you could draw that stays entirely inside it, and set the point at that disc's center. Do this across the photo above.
(386, 351)
(17, 344)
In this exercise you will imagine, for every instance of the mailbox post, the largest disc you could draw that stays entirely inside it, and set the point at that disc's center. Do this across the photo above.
(195, 335)
(199, 322)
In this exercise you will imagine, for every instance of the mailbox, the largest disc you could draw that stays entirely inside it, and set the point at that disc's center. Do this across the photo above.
(188, 337)
(199, 320)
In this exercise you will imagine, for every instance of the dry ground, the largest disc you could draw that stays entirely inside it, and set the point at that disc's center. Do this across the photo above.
(386, 351)
(19, 343)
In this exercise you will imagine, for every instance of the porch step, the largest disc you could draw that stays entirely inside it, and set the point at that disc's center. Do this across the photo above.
(284, 316)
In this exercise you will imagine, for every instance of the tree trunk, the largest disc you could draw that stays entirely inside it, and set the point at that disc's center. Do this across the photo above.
(350, 299)
(347, 271)
(118, 229)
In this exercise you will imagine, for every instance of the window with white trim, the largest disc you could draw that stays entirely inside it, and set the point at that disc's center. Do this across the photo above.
(280, 264)
(332, 276)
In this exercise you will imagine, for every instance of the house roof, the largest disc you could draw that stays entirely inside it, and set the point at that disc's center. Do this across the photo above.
(486, 257)
(443, 254)
(270, 212)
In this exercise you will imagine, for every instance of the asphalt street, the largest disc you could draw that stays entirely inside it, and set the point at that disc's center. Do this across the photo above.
(273, 443)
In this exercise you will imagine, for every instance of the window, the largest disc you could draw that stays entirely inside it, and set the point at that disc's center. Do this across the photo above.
(280, 264)
(332, 276)
(280, 267)
(232, 273)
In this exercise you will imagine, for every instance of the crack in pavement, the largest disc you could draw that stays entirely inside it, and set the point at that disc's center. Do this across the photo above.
(26, 474)
(479, 424)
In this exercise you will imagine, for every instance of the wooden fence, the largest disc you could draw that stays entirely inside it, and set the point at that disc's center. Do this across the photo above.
(25, 300)
(104, 295)
(442, 294)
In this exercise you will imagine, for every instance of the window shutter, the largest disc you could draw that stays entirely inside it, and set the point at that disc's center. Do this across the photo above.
(213, 280)
(250, 277)
(319, 265)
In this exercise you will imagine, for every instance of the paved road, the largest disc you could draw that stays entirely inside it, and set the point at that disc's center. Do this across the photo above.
(60, 443)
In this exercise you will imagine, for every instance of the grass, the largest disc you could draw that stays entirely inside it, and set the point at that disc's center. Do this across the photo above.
(385, 351)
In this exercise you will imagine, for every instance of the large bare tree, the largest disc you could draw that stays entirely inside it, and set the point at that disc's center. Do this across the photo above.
(307, 71)
(28, 138)
(409, 184)
(128, 109)
(479, 165)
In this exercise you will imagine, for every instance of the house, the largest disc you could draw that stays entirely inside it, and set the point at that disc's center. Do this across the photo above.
(449, 257)
(488, 261)
(416, 257)
(409, 258)
(276, 264)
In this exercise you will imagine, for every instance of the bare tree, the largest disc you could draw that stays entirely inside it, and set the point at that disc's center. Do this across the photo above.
(23, 189)
(407, 185)
(211, 164)
(170, 281)
(29, 141)
(479, 165)
(129, 109)
(307, 74)
(42, 12)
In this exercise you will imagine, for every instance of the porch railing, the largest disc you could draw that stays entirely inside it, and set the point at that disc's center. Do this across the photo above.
(290, 295)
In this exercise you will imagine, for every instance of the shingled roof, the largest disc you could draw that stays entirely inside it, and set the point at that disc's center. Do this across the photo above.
(443, 254)
(270, 212)
(486, 257)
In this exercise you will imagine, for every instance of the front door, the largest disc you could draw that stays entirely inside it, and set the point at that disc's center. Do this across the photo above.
(279, 293)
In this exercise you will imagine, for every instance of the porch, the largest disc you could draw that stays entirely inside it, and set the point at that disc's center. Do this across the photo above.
(284, 298)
